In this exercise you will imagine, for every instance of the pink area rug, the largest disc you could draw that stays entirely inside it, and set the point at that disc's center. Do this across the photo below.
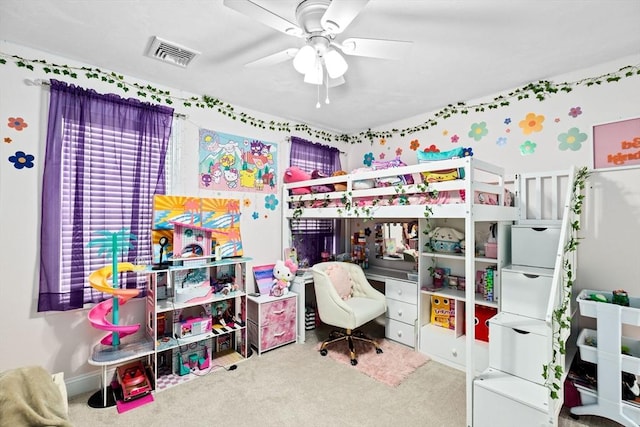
(391, 367)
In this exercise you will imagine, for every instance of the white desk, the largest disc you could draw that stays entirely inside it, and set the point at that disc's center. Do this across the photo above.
(305, 279)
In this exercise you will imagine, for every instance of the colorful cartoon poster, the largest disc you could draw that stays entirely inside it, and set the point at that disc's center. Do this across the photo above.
(235, 163)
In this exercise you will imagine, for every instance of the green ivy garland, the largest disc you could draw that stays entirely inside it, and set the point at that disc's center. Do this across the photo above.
(552, 372)
(540, 90)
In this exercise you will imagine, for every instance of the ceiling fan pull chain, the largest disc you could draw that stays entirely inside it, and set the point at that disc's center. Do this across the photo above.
(326, 100)
(318, 97)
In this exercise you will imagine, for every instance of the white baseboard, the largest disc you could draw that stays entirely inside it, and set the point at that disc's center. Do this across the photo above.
(85, 383)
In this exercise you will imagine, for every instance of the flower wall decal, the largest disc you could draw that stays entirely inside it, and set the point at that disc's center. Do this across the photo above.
(572, 140)
(575, 111)
(22, 160)
(368, 159)
(398, 152)
(431, 149)
(527, 148)
(531, 123)
(455, 138)
(17, 123)
(414, 145)
(8, 140)
(255, 215)
(507, 121)
(478, 131)
(467, 152)
(271, 202)
(501, 141)
(382, 156)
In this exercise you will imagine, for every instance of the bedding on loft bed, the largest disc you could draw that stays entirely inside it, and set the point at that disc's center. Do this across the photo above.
(392, 183)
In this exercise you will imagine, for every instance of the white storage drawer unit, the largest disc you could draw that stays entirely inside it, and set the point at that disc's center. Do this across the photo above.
(402, 311)
(501, 400)
(401, 291)
(400, 332)
(534, 246)
(526, 290)
(519, 346)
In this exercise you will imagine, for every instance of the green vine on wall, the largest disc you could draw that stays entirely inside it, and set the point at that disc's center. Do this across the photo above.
(540, 90)
(561, 321)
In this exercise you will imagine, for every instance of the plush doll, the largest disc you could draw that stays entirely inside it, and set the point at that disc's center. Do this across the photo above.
(446, 239)
(284, 272)
(295, 174)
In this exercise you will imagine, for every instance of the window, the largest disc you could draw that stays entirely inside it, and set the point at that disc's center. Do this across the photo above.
(105, 160)
(311, 237)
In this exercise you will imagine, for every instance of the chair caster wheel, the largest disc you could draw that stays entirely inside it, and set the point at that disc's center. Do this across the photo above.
(354, 362)
(378, 350)
(323, 352)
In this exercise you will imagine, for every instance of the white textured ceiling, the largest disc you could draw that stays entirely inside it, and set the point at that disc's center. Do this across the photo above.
(462, 49)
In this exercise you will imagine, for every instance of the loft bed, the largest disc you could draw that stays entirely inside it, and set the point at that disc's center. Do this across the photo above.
(435, 189)
(440, 189)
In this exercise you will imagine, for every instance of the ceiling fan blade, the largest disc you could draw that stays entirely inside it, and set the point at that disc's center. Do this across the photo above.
(375, 48)
(259, 13)
(340, 13)
(274, 59)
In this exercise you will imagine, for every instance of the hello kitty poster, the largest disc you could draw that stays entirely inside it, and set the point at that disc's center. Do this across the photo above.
(235, 163)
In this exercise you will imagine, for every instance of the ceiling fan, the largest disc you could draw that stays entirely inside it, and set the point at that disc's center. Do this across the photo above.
(320, 22)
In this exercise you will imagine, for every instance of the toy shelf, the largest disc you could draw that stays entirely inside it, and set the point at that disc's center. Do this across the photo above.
(459, 294)
(171, 305)
(607, 400)
(167, 343)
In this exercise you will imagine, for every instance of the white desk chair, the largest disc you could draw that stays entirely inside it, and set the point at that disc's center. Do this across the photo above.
(347, 301)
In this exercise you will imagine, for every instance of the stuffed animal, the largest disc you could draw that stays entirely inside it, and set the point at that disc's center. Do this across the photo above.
(295, 174)
(325, 188)
(284, 272)
(339, 186)
(446, 239)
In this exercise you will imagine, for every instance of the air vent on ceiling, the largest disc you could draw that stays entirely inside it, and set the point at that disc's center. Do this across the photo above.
(171, 52)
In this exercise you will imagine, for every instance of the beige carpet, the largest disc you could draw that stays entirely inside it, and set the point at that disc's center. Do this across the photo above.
(391, 367)
(294, 386)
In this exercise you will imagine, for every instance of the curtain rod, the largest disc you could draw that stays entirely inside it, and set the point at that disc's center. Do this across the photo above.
(42, 82)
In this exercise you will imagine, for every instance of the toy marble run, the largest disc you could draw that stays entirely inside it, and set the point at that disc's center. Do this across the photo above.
(99, 281)
(98, 314)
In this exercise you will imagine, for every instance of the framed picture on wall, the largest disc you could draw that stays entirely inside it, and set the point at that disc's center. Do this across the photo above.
(616, 145)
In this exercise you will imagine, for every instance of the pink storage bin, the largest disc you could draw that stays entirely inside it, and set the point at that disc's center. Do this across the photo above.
(491, 250)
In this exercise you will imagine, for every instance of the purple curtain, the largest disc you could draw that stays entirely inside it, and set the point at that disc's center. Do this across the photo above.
(104, 161)
(310, 156)
(314, 236)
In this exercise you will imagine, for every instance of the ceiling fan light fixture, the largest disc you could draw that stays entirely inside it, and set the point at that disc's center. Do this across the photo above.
(315, 75)
(305, 59)
(335, 63)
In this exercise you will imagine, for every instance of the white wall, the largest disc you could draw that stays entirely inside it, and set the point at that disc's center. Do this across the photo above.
(610, 246)
(62, 341)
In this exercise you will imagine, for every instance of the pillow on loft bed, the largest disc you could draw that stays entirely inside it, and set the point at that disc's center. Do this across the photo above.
(444, 174)
(362, 184)
(391, 180)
